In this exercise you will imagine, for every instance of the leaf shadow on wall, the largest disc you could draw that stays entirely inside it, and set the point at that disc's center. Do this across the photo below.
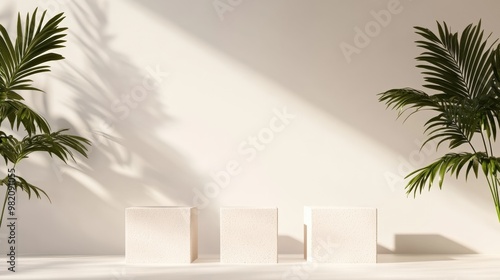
(118, 105)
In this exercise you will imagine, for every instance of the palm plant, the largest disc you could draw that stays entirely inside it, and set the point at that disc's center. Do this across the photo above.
(463, 71)
(19, 60)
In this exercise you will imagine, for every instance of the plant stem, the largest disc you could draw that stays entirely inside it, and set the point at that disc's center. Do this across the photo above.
(493, 183)
(472, 147)
(496, 197)
(497, 207)
(4, 204)
(491, 147)
(484, 143)
(467, 138)
(7, 179)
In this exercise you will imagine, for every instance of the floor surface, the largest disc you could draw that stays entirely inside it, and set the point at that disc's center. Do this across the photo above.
(290, 267)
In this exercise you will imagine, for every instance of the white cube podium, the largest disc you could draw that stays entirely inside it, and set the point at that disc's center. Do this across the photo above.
(248, 235)
(161, 235)
(340, 235)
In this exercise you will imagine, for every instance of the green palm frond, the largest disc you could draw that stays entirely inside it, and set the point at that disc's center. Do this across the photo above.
(495, 63)
(451, 163)
(30, 52)
(404, 99)
(22, 184)
(7, 147)
(18, 113)
(455, 66)
(58, 143)
(454, 122)
(458, 68)
(30, 188)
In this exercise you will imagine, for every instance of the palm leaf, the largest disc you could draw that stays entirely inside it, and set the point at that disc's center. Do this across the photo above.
(56, 143)
(495, 64)
(31, 51)
(7, 147)
(30, 188)
(451, 163)
(458, 68)
(17, 113)
(455, 66)
(22, 184)
(407, 98)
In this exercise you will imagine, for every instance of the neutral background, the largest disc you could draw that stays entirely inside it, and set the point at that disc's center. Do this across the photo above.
(171, 92)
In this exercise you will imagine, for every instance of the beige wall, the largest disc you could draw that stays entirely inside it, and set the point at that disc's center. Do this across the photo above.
(181, 90)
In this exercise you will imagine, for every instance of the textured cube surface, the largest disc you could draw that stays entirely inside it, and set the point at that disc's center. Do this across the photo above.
(161, 234)
(340, 235)
(249, 235)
